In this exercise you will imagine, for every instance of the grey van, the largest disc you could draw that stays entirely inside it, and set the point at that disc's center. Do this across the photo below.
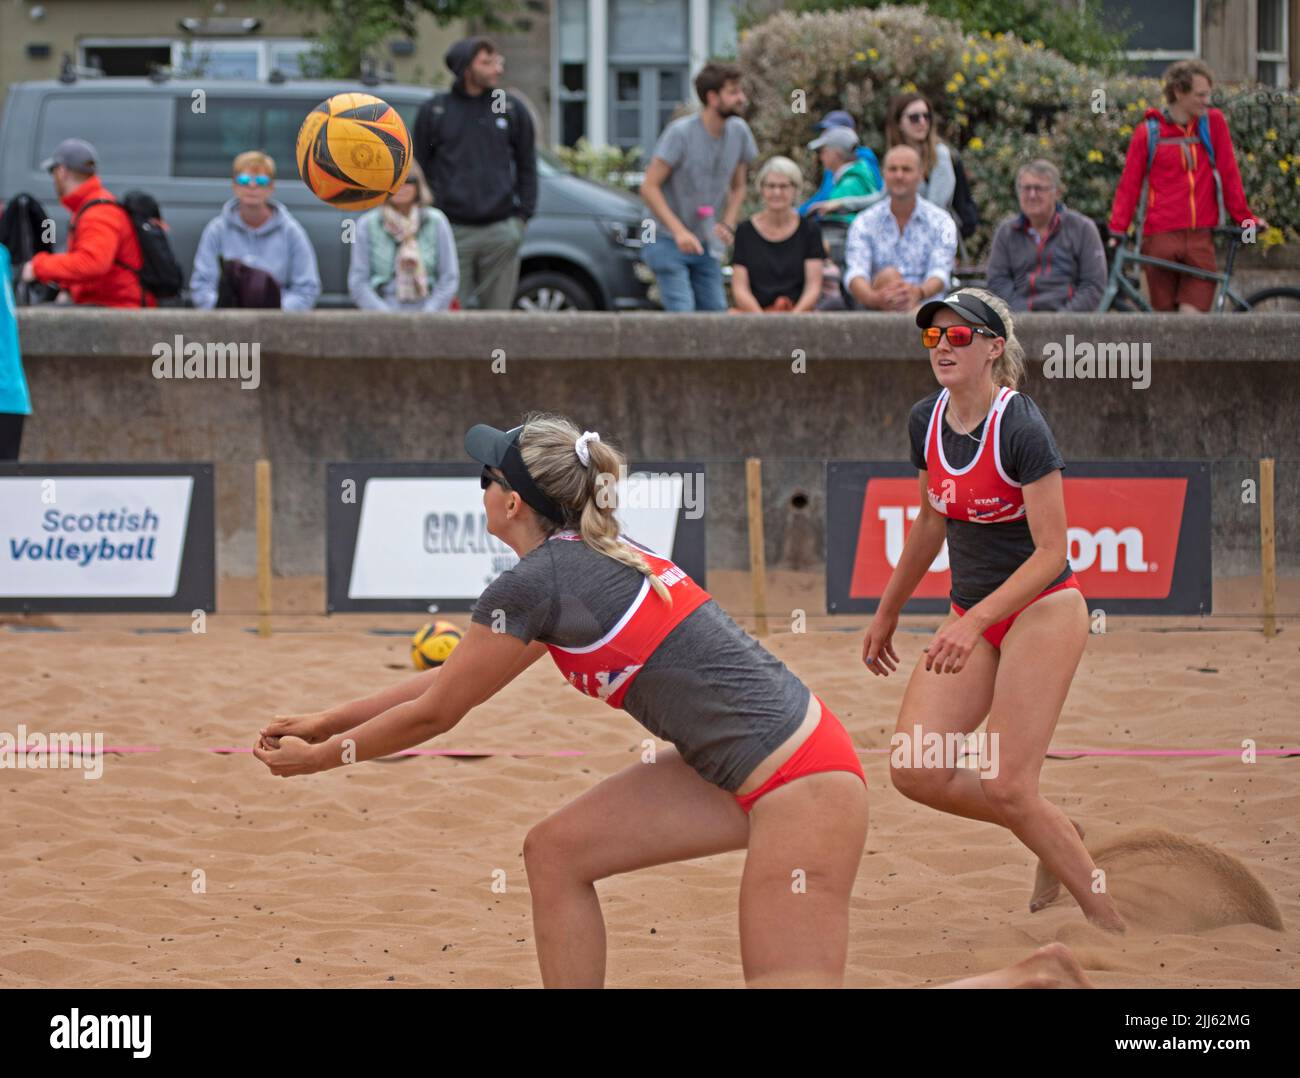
(176, 139)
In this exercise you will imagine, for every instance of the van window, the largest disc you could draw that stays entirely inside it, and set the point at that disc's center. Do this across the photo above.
(207, 143)
(122, 128)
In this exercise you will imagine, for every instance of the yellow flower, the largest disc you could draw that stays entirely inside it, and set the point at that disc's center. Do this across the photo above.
(1284, 166)
(916, 39)
(1250, 157)
(986, 35)
(982, 58)
(976, 143)
(1095, 155)
(1126, 130)
(951, 87)
(1044, 80)
(984, 81)
(859, 56)
(958, 77)
(1043, 140)
(1142, 102)
(1130, 107)
(909, 87)
(960, 103)
(1271, 134)
(1021, 88)
(1272, 235)
(873, 54)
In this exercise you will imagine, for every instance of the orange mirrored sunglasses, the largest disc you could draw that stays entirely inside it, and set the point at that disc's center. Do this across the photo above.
(958, 336)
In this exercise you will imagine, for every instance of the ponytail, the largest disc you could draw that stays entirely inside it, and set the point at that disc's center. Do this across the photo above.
(586, 492)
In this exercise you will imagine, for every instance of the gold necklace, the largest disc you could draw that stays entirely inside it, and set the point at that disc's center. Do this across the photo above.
(986, 415)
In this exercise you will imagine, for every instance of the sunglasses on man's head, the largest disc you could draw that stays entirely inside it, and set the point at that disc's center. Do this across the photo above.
(244, 179)
(958, 336)
(486, 479)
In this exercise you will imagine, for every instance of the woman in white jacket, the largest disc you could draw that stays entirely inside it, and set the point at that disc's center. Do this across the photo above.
(403, 253)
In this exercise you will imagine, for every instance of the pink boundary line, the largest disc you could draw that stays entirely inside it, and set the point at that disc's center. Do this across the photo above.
(1051, 752)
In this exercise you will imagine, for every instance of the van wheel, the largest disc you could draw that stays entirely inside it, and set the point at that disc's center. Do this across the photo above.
(546, 292)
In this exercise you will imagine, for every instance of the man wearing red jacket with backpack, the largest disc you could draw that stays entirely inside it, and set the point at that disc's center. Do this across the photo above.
(1192, 186)
(103, 259)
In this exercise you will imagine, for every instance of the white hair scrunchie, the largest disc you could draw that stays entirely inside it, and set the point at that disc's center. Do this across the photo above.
(580, 446)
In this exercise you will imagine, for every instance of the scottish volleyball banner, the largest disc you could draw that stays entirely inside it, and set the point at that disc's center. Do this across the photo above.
(1138, 535)
(99, 537)
(414, 536)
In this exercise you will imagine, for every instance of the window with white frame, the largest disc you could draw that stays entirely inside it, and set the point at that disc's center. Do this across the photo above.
(1271, 43)
(235, 58)
(1158, 31)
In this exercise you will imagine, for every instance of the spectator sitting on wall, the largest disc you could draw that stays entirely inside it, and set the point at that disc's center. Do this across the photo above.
(101, 265)
(837, 150)
(909, 121)
(1047, 257)
(257, 238)
(404, 255)
(777, 263)
(814, 204)
(900, 252)
(851, 179)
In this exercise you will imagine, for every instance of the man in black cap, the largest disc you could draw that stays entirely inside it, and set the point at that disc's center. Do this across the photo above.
(476, 145)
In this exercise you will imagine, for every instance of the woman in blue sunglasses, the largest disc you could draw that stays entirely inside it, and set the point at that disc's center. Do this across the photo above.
(254, 253)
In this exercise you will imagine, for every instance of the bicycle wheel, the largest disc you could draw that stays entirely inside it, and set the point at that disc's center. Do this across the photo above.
(1281, 299)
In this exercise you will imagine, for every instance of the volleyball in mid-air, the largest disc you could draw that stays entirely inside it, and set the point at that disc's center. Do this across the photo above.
(433, 644)
(353, 151)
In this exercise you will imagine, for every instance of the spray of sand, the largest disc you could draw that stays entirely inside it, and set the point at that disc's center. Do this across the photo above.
(1171, 883)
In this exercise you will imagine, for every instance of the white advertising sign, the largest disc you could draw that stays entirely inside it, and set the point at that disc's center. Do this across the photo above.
(428, 536)
(92, 536)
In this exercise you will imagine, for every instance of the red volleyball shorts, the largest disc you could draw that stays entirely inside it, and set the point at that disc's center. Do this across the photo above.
(994, 633)
(827, 748)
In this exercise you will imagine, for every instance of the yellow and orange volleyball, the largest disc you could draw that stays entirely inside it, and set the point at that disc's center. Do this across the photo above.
(353, 151)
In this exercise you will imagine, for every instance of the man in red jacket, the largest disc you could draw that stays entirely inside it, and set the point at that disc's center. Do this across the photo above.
(1182, 200)
(103, 257)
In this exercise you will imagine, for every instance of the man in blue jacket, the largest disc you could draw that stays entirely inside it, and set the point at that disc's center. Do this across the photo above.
(15, 403)
(477, 148)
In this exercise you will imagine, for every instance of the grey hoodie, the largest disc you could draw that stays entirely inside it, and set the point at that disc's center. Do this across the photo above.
(279, 246)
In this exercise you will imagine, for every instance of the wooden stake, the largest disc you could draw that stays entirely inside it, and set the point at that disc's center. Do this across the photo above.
(757, 560)
(263, 480)
(1267, 548)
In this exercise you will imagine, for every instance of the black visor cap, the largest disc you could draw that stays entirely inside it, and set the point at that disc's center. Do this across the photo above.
(500, 449)
(968, 308)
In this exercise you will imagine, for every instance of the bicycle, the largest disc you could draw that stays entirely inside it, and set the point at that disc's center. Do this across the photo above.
(1123, 292)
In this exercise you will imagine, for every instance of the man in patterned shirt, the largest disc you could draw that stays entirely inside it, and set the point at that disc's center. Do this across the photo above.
(900, 252)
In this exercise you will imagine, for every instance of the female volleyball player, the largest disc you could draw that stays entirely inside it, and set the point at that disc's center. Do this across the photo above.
(759, 763)
(990, 477)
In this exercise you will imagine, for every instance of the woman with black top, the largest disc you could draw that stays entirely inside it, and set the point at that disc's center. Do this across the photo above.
(990, 477)
(777, 261)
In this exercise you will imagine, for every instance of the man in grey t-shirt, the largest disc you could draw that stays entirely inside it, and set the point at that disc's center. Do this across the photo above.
(694, 187)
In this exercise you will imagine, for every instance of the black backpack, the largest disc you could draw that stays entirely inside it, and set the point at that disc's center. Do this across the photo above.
(159, 273)
(21, 226)
(963, 204)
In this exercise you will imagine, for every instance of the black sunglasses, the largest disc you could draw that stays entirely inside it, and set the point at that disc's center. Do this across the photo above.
(486, 479)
